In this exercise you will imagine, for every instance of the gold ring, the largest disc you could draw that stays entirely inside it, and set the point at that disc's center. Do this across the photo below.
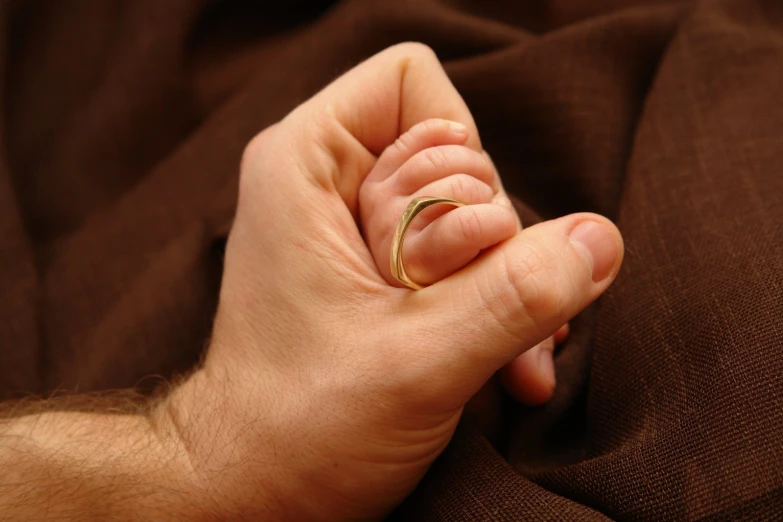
(412, 210)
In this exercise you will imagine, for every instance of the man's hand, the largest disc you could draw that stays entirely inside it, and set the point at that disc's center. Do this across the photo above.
(325, 386)
(327, 393)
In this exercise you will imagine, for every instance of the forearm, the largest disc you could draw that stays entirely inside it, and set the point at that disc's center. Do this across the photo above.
(93, 466)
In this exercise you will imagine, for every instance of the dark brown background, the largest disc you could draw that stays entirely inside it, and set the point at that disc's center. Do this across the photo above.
(121, 128)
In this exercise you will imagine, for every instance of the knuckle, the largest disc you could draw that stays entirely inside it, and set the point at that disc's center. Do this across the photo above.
(415, 264)
(436, 158)
(416, 138)
(401, 144)
(464, 188)
(251, 157)
(426, 127)
(486, 171)
(411, 139)
(473, 190)
(407, 140)
(469, 226)
(415, 50)
(485, 164)
(252, 151)
(481, 168)
(459, 187)
(532, 286)
(368, 198)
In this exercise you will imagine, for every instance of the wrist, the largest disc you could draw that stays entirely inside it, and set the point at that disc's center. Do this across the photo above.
(231, 472)
(98, 465)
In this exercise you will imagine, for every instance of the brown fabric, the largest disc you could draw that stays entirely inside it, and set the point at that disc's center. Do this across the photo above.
(121, 129)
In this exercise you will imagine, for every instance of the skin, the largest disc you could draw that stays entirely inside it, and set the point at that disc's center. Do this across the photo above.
(326, 393)
(432, 158)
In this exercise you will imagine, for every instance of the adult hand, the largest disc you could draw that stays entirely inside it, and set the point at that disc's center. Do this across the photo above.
(327, 393)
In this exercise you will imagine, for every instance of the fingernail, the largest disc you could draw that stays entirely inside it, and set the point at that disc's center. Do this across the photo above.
(458, 127)
(596, 243)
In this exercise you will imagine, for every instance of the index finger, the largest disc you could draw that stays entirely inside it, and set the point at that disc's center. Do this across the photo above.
(362, 112)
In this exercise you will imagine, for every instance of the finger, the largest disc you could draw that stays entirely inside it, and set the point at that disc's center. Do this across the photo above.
(502, 199)
(423, 135)
(562, 333)
(389, 93)
(436, 163)
(514, 296)
(454, 239)
(334, 138)
(460, 187)
(530, 377)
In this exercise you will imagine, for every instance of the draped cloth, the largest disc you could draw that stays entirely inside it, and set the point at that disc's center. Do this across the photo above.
(121, 128)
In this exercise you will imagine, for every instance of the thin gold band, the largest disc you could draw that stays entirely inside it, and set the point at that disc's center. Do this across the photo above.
(413, 209)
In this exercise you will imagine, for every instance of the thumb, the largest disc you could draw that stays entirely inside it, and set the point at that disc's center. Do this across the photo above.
(517, 294)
